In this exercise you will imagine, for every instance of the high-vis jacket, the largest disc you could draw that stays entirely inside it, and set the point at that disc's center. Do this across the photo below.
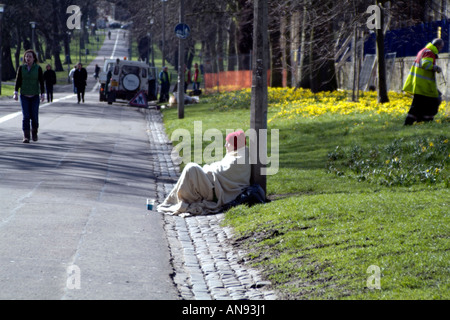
(197, 75)
(164, 77)
(421, 79)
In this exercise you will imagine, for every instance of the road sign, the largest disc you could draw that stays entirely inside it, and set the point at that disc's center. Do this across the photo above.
(182, 30)
(139, 100)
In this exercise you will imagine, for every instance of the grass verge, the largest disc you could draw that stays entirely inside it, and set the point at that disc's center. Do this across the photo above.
(326, 225)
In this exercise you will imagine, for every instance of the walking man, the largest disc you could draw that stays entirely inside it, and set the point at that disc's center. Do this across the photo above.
(50, 80)
(421, 82)
(79, 79)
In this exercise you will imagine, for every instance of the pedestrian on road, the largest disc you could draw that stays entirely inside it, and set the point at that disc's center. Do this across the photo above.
(96, 71)
(164, 81)
(421, 82)
(50, 80)
(30, 81)
(79, 79)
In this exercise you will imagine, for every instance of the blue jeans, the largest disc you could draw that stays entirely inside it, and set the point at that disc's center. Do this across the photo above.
(30, 111)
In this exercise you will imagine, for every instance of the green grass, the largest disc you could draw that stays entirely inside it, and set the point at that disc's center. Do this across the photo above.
(7, 90)
(326, 224)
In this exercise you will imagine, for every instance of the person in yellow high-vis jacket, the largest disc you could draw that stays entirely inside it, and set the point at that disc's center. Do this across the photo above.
(421, 82)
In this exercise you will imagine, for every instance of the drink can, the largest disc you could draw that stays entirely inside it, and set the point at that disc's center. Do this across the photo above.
(150, 204)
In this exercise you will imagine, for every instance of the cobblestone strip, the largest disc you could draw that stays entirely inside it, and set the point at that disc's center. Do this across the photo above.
(206, 265)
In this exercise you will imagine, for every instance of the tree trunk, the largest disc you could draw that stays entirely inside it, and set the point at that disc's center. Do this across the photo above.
(283, 48)
(219, 44)
(18, 48)
(312, 72)
(56, 47)
(382, 84)
(295, 43)
(355, 69)
(276, 66)
(57, 60)
(8, 71)
(245, 35)
(302, 48)
(232, 46)
(258, 113)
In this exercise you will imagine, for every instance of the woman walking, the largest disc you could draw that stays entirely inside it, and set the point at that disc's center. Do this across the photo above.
(30, 81)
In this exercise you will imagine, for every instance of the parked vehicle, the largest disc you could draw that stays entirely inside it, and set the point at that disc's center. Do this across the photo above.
(123, 79)
(115, 25)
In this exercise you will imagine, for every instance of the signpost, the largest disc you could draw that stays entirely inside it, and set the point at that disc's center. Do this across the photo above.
(182, 31)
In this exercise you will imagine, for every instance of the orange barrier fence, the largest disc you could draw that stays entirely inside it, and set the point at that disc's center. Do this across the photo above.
(230, 80)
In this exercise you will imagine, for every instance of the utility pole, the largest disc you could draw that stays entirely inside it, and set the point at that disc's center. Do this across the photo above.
(163, 33)
(180, 85)
(258, 112)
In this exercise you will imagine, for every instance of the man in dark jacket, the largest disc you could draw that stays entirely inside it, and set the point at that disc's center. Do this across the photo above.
(164, 81)
(50, 80)
(79, 79)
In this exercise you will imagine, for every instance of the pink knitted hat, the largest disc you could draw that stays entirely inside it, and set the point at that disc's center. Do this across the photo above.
(236, 139)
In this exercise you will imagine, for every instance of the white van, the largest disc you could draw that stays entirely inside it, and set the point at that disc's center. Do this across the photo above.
(126, 79)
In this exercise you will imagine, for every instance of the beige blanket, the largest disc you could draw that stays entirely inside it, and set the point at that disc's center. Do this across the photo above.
(195, 190)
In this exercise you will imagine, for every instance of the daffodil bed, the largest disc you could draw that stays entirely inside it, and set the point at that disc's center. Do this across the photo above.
(290, 103)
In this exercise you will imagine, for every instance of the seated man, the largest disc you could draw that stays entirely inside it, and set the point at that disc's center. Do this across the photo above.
(205, 190)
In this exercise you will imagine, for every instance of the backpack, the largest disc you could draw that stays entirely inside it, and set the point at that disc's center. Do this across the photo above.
(250, 196)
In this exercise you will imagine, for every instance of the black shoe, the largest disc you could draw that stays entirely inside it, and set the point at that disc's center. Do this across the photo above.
(26, 136)
(34, 135)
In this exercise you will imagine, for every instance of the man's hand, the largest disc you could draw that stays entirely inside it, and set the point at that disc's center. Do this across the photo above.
(15, 96)
(437, 69)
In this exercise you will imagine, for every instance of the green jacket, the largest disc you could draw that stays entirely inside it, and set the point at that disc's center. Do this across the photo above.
(422, 79)
(30, 82)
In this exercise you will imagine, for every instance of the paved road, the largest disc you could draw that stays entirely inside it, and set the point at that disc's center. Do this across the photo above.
(73, 218)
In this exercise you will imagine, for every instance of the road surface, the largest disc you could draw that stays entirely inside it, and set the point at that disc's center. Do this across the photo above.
(73, 218)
